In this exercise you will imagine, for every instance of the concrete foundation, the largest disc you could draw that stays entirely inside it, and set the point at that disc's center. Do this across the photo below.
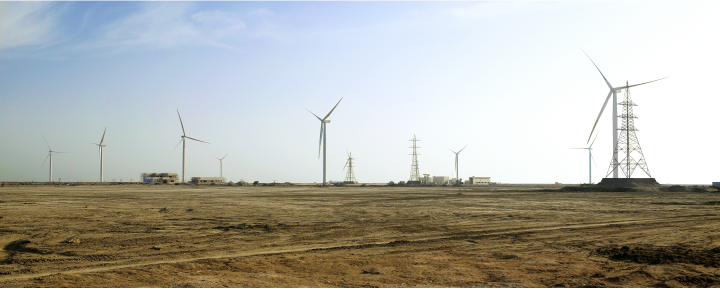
(628, 182)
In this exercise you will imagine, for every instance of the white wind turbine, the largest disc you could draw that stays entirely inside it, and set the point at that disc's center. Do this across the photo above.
(50, 156)
(100, 147)
(221, 159)
(590, 159)
(613, 92)
(183, 137)
(457, 174)
(323, 136)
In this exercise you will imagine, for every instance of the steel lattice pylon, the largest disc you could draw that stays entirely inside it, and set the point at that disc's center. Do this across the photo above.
(350, 176)
(628, 145)
(414, 168)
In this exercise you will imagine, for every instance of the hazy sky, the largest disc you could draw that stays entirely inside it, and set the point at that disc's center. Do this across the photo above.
(507, 78)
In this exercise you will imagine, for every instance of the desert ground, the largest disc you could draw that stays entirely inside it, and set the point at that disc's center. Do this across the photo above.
(302, 236)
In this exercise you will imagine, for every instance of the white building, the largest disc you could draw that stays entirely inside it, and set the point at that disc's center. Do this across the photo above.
(478, 181)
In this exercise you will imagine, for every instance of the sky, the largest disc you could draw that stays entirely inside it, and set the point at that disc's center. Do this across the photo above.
(509, 79)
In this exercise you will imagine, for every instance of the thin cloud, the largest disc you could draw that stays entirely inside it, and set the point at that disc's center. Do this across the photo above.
(25, 24)
(164, 25)
(220, 24)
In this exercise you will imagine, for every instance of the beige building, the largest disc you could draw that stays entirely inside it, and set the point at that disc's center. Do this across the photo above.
(207, 180)
(441, 179)
(159, 178)
(478, 181)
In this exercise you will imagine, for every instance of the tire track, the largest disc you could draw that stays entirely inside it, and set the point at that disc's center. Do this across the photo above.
(113, 265)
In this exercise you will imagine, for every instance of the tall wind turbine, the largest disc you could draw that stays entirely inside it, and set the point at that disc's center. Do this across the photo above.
(457, 174)
(590, 159)
(182, 140)
(613, 92)
(221, 159)
(101, 146)
(50, 156)
(323, 136)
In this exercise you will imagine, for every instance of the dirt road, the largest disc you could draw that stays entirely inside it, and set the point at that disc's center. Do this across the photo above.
(181, 236)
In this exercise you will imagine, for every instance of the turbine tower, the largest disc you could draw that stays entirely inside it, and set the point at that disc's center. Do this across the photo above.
(221, 163)
(100, 147)
(323, 137)
(457, 174)
(50, 156)
(182, 140)
(628, 144)
(350, 176)
(613, 92)
(591, 160)
(414, 168)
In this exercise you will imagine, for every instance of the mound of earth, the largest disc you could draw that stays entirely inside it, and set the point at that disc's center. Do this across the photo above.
(649, 254)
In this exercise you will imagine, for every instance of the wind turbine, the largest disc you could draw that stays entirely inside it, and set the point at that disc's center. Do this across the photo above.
(221, 163)
(613, 92)
(182, 140)
(457, 174)
(50, 156)
(101, 146)
(590, 158)
(323, 136)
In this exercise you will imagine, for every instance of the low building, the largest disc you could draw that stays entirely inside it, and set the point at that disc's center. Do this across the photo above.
(207, 180)
(441, 180)
(478, 181)
(159, 178)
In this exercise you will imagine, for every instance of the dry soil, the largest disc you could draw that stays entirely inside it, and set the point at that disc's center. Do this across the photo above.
(213, 236)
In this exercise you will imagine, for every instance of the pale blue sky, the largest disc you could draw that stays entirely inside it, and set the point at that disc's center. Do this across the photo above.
(508, 78)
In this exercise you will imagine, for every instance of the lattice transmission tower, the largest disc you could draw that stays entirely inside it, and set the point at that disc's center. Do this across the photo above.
(350, 176)
(414, 169)
(628, 145)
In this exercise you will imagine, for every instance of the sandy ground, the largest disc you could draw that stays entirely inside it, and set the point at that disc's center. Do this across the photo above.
(181, 236)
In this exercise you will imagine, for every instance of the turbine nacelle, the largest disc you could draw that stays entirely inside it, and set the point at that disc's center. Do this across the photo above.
(613, 90)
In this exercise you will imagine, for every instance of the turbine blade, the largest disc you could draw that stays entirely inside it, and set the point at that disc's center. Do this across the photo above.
(599, 115)
(603, 76)
(463, 148)
(103, 138)
(593, 141)
(46, 159)
(196, 139)
(322, 127)
(46, 142)
(346, 163)
(644, 83)
(181, 124)
(452, 151)
(313, 114)
(62, 152)
(328, 115)
(225, 156)
(578, 148)
(177, 146)
(593, 159)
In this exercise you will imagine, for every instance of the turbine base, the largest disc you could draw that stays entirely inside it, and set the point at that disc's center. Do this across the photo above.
(628, 182)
